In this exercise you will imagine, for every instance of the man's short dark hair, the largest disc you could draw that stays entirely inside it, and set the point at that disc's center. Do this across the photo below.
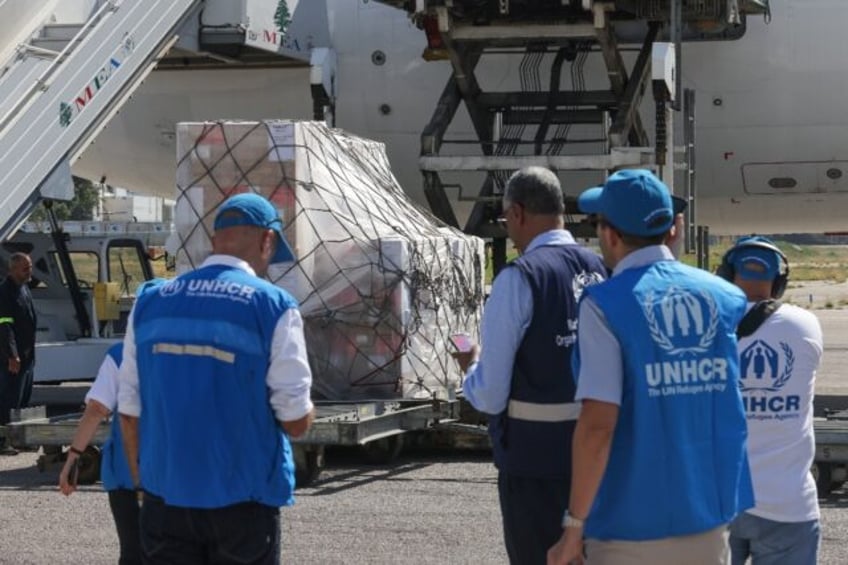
(637, 241)
(537, 189)
(17, 257)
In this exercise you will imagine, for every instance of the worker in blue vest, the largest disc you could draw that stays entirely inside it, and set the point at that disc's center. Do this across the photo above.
(521, 377)
(659, 454)
(215, 378)
(101, 401)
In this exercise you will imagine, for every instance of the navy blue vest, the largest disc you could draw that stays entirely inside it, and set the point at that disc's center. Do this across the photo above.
(678, 462)
(542, 370)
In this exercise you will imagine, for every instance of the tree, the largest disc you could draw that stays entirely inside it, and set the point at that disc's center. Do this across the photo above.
(86, 196)
(282, 17)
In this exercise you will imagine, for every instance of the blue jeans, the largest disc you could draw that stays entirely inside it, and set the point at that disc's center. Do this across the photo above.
(241, 534)
(773, 543)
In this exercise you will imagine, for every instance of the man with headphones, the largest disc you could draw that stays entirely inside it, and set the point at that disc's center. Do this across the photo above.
(780, 347)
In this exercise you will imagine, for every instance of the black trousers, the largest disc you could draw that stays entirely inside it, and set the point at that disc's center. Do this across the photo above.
(8, 393)
(25, 382)
(125, 511)
(246, 533)
(532, 511)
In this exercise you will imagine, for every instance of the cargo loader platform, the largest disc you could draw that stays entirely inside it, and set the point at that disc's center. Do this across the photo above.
(377, 425)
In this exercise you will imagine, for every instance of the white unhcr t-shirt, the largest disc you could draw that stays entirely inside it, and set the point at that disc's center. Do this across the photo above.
(778, 365)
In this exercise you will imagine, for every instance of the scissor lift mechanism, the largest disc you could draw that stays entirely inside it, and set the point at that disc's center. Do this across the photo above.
(464, 31)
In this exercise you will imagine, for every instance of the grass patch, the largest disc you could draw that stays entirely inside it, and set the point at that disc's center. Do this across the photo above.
(806, 262)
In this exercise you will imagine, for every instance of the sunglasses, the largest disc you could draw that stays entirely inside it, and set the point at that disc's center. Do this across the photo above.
(502, 218)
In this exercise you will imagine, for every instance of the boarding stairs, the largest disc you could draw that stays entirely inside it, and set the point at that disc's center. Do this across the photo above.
(62, 87)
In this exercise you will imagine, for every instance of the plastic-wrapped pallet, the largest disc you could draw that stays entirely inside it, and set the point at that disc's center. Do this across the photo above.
(381, 283)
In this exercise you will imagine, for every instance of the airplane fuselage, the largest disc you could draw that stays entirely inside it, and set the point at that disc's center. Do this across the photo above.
(769, 125)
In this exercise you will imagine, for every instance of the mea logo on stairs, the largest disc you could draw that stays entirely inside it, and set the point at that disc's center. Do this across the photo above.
(69, 110)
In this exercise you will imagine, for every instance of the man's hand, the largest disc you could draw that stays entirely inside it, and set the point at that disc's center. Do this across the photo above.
(465, 358)
(68, 482)
(296, 428)
(14, 365)
(569, 549)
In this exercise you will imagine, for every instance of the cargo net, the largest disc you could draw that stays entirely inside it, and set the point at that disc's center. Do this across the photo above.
(382, 284)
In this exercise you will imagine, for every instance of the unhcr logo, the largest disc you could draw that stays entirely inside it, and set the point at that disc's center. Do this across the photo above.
(582, 280)
(681, 322)
(171, 288)
(220, 288)
(762, 373)
(760, 367)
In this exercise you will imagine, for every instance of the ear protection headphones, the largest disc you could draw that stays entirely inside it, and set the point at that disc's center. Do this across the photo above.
(728, 272)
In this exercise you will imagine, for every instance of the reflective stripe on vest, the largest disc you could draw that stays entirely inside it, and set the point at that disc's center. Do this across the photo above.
(196, 350)
(7, 320)
(535, 412)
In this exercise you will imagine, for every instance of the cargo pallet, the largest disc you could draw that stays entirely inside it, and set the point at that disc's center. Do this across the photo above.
(376, 425)
(830, 467)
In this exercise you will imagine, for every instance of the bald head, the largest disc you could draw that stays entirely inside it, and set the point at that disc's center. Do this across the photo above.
(252, 244)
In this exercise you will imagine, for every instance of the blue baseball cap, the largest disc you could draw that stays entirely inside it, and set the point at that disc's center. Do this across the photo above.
(250, 209)
(755, 262)
(634, 201)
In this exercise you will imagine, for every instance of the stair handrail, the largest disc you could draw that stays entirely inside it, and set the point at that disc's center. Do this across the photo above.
(41, 81)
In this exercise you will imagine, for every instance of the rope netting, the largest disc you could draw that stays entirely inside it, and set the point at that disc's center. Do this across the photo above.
(381, 283)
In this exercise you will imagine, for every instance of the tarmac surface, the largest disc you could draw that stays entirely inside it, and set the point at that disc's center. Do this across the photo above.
(428, 507)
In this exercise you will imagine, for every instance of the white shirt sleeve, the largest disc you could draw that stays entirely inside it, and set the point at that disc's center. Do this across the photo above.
(105, 387)
(129, 402)
(506, 317)
(601, 375)
(289, 378)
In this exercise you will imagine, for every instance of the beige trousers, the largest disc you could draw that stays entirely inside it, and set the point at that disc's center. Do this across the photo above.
(708, 548)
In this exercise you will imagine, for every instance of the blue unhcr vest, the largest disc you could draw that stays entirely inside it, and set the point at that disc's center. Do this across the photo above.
(208, 435)
(532, 437)
(678, 462)
(114, 471)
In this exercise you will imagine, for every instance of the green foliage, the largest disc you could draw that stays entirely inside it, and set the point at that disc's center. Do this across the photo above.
(81, 207)
(511, 254)
(807, 262)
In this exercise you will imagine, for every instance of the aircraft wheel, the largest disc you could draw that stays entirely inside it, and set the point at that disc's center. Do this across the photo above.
(383, 451)
(309, 463)
(89, 466)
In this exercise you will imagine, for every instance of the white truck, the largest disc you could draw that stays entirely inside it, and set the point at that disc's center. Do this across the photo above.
(83, 287)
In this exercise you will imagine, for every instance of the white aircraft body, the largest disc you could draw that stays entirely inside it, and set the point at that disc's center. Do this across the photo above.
(770, 150)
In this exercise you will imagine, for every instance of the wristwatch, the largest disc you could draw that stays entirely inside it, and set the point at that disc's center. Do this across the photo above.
(569, 521)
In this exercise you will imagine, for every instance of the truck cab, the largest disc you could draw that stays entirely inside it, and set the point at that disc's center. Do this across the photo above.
(82, 300)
